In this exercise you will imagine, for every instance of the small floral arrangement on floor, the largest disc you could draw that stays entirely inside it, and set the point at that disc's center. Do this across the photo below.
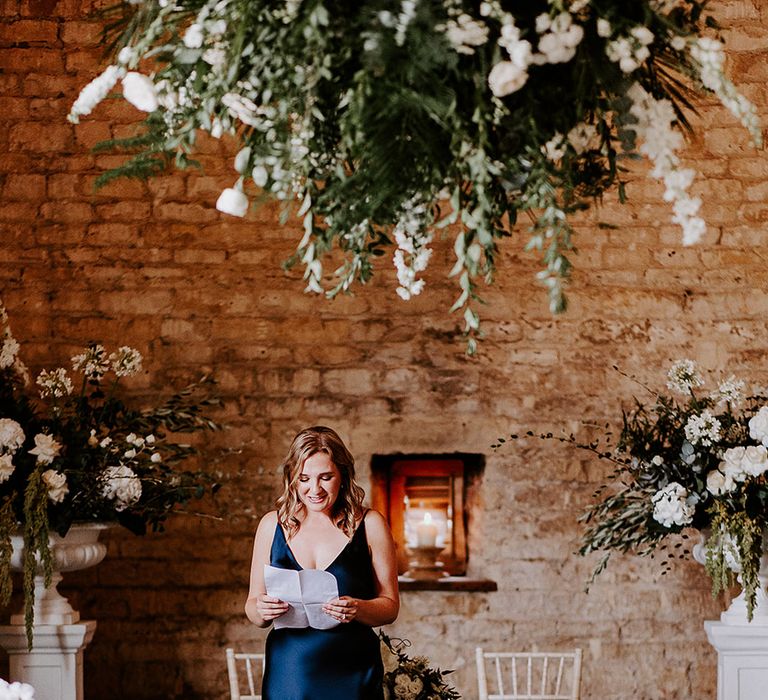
(407, 678)
(698, 461)
(84, 456)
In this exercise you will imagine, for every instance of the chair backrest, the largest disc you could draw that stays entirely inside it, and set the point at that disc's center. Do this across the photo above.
(241, 672)
(529, 676)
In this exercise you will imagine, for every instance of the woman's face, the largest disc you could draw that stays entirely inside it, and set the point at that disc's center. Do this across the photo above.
(319, 483)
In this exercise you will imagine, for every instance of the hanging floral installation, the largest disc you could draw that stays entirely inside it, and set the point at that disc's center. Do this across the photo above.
(380, 124)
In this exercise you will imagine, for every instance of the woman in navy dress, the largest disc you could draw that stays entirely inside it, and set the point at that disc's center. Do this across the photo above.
(320, 523)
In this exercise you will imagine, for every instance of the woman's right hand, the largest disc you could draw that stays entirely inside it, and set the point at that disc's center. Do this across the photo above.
(270, 608)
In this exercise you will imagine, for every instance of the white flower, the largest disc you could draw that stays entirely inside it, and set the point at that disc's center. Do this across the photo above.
(603, 28)
(684, 376)
(95, 92)
(703, 429)
(93, 362)
(193, 37)
(11, 436)
(554, 149)
(121, 485)
(412, 254)
(139, 90)
(506, 77)
(6, 467)
(755, 460)
(150, 439)
(54, 383)
(730, 391)
(407, 688)
(670, 506)
(56, 483)
(16, 691)
(559, 44)
(46, 448)
(719, 483)
(106, 442)
(156, 457)
(8, 352)
(657, 460)
(129, 454)
(126, 55)
(758, 426)
(465, 33)
(260, 175)
(126, 361)
(216, 56)
(232, 201)
(732, 464)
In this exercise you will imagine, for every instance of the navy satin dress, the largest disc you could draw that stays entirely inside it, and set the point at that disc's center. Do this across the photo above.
(342, 663)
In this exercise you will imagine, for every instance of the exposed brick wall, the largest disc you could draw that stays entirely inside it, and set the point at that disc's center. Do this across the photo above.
(157, 267)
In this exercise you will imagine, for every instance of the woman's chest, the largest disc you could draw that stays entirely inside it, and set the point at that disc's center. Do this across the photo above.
(317, 549)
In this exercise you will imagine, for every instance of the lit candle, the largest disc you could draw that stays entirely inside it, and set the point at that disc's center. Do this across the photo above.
(426, 532)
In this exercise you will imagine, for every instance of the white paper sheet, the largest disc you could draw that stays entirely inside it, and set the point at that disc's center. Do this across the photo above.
(306, 592)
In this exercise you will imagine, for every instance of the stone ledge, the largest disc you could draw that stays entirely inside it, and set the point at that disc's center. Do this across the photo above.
(449, 583)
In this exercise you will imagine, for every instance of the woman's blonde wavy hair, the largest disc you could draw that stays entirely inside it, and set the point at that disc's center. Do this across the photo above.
(348, 508)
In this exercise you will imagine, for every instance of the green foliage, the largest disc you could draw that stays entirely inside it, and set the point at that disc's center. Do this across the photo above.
(86, 456)
(657, 450)
(356, 114)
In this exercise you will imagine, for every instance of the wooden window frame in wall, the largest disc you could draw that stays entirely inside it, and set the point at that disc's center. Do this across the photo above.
(389, 479)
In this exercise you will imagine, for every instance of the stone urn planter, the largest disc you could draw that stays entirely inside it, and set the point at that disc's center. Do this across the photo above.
(78, 549)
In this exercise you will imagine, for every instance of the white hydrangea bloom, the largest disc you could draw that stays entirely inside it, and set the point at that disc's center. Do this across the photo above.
(122, 486)
(11, 436)
(758, 426)
(55, 383)
(139, 90)
(684, 376)
(16, 691)
(630, 52)
(671, 507)
(703, 429)
(755, 460)
(57, 485)
(732, 465)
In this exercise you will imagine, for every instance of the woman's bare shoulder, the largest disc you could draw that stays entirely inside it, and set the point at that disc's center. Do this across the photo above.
(267, 522)
(375, 523)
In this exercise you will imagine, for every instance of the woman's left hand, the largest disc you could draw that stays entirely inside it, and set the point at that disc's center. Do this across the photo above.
(343, 609)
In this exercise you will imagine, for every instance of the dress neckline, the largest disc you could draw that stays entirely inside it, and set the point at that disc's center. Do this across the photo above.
(335, 559)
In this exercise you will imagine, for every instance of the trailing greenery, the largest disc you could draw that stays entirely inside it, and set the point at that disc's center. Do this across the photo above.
(381, 124)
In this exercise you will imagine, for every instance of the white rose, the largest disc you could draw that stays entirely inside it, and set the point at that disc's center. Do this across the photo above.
(11, 435)
(233, 202)
(718, 483)
(670, 506)
(603, 28)
(6, 467)
(732, 465)
(46, 448)
(139, 90)
(57, 485)
(506, 77)
(758, 426)
(755, 460)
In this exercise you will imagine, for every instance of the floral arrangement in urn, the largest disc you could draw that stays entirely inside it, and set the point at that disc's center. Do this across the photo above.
(76, 453)
(379, 124)
(698, 461)
(407, 678)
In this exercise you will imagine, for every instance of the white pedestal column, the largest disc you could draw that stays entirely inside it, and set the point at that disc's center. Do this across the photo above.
(742, 660)
(54, 667)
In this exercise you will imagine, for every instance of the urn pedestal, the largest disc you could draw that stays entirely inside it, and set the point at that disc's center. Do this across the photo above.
(54, 666)
(741, 645)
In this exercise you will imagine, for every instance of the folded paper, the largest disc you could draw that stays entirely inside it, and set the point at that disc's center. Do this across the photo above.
(306, 592)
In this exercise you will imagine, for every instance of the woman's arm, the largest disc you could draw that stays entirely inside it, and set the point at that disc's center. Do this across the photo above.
(260, 608)
(383, 609)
